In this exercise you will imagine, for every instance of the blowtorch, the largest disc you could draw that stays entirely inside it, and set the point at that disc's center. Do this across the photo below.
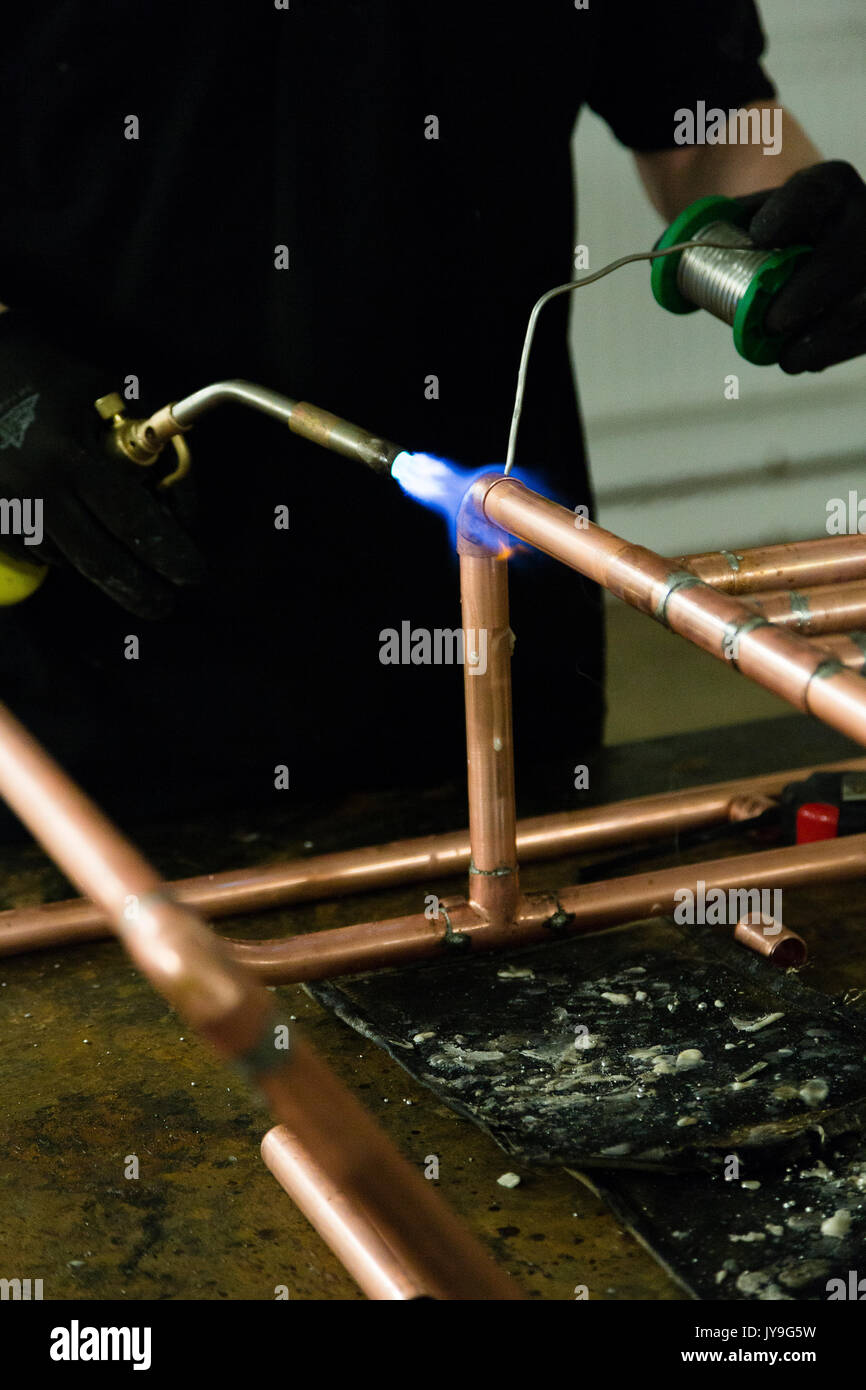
(142, 441)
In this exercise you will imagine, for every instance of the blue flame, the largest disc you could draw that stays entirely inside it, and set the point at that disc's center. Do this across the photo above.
(432, 480)
(441, 485)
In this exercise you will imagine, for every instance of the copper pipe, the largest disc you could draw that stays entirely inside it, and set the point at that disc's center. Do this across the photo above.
(322, 955)
(430, 857)
(543, 916)
(721, 625)
(771, 939)
(847, 647)
(650, 895)
(390, 1206)
(179, 955)
(830, 560)
(324, 1205)
(487, 643)
(384, 1222)
(746, 808)
(828, 608)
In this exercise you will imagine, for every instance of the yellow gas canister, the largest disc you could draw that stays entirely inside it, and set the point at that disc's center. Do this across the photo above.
(18, 579)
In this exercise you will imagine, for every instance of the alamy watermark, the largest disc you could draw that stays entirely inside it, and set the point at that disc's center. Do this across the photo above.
(715, 907)
(77, 1343)
(439, 646)
(853, 1288)
(22, 516)
(20, 1289)
(846, 516)
(751, 125)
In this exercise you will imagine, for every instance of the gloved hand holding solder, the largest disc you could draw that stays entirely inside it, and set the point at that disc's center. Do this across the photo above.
(96, 512)
(821, 311)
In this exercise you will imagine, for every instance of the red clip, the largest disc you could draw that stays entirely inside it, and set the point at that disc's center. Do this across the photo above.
(817, 820)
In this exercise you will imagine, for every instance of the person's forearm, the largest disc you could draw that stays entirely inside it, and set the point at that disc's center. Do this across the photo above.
(674, 178)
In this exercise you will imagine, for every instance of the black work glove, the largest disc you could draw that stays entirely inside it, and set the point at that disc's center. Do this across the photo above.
(100, 513)
(822, 308)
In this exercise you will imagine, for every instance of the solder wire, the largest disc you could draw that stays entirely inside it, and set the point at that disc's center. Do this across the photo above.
(720, 290)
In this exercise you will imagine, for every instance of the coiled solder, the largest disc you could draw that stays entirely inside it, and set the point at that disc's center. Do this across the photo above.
(733, 280)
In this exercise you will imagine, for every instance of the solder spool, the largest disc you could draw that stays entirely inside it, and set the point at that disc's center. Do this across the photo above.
(735, 282)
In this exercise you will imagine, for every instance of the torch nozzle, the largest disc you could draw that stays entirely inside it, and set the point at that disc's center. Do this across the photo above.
(342, 437)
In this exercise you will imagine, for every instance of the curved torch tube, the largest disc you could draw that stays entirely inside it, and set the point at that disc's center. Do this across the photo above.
(309, 421)
(237, 392)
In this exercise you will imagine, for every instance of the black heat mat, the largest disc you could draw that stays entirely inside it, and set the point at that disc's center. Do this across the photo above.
(692, 1054)
(655, 1047)
(796, 1232)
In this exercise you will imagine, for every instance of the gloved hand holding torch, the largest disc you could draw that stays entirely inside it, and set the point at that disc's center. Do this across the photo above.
(87, 509)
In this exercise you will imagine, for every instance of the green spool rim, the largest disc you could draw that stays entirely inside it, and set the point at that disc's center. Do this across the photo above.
(750, 338)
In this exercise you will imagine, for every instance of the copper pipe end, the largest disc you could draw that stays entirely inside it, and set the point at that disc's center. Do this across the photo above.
(771, 939)
(339, 1218)
(749, 807)
(385, 1223)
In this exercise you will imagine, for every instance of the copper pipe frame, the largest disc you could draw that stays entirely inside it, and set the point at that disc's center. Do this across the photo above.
(829, 560)
(490, 918)
(779, 660)
(394, 1235)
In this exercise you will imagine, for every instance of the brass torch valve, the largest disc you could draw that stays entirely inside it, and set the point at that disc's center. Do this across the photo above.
(138, 441)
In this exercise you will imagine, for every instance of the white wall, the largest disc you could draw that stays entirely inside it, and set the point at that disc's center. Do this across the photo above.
(663, 439)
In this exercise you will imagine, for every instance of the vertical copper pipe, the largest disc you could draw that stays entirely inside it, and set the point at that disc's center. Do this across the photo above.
(390, 1206)
(829, 560)
(487, 639)
(779, 660)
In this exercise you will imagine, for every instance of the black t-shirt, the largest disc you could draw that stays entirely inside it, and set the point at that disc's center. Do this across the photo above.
(409, 258)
